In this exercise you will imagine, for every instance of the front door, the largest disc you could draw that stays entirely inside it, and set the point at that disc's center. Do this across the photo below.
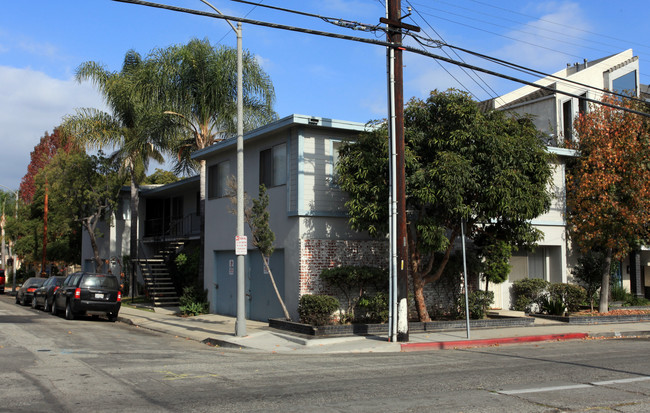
(264, 303)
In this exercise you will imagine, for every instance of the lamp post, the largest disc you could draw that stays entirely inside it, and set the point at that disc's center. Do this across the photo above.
(4, 259)
(240, 325)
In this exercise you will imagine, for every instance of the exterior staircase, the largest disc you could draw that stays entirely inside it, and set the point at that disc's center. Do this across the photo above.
(157, 280)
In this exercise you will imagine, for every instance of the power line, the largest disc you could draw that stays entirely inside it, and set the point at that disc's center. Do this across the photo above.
(558, 24)
(348, 24)
(563, 40)
(379, 43)
(524, 69)
(495, 94)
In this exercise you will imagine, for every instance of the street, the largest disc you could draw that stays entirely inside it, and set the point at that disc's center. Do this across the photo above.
(50, 364)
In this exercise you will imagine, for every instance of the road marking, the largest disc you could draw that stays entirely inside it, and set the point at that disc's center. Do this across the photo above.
(619, 381)
(542, 389)
(574, 386)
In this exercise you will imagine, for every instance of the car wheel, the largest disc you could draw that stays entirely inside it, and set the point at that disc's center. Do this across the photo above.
(17, 300)
(46, 305)
(112, 317)
(54, 310)
(69, 315)
(34, 303)
(23, 301)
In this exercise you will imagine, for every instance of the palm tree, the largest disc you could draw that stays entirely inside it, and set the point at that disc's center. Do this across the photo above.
(134, 128)
(198, 85)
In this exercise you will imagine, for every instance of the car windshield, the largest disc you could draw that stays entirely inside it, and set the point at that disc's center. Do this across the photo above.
(35, 282)
(100, 281)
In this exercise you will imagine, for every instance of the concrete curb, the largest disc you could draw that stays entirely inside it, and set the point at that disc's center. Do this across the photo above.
(447, 345)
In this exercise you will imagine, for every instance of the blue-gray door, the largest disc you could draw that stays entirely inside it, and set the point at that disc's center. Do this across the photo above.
(264, 302)
(224, 289)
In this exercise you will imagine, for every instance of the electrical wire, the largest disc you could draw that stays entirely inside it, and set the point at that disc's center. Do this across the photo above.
(559, 24)
(348, 24)
(530, 71)
(563, 40)
(493, 94)
(379, 43)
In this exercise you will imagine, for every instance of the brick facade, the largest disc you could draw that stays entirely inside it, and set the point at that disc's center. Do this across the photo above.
(319, 254)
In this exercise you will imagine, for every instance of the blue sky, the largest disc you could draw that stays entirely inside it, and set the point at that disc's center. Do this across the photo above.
(43, 41)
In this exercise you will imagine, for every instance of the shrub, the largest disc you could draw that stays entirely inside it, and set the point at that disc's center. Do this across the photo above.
(317, 309)
(527, 292)
(373, 309)
(354, 281)
(478, 302)
(570, 295)
(634, 301)
(618, 293)
(193, 301)
(552, 306)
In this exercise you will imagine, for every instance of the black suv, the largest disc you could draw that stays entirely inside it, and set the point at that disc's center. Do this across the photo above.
(88, 293)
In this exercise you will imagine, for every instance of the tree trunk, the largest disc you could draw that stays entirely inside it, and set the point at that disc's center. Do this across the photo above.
(135, 200)
(418, 292)
(203, 175)
(275, 287)
(93, 243)
(603, 306)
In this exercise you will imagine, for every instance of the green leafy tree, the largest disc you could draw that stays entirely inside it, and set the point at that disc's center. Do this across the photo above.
(608, 189)
(589, 272)
(488, 169)
(256, 216)
(84, 189)
(135, 127)
(160, 177)
(197, 85)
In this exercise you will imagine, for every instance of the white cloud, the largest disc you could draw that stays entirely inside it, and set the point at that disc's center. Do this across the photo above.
(551, 41)
(31, 104)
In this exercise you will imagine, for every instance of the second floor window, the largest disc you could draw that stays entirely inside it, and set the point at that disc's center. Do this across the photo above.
(273, 166)
(218, 179)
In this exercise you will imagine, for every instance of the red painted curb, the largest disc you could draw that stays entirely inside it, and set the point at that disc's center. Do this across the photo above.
(445, 345)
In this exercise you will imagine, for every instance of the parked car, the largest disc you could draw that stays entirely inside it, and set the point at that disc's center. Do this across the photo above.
(26, 292)
(88, 293)
(2, 281)
(44, 294)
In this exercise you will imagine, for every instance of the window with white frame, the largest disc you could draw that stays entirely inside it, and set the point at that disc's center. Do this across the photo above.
(273, 166)
(336, 147)
(625, 84)
(218, 179)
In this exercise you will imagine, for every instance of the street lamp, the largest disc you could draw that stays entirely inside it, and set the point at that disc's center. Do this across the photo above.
(240, 325)
(4, 258)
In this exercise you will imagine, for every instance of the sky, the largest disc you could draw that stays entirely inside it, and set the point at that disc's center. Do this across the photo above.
(42, 42)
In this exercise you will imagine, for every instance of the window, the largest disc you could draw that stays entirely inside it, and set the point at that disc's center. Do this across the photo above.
(336, 147)
(218, 179)
(625, 84)
(567, 118)
(582, 104)
(273, 166)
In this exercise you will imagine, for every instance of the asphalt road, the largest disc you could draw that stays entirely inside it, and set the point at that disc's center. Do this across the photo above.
(50, 364)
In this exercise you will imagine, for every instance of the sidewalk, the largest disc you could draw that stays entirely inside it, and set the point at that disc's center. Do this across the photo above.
(219, 330)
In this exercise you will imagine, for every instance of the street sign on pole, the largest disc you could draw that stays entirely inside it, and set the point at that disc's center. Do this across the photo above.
(241, 245)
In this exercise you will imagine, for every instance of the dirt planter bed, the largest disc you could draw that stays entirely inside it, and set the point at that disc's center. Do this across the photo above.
(342, 330)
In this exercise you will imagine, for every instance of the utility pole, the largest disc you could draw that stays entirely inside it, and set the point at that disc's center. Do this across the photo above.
(396, 118)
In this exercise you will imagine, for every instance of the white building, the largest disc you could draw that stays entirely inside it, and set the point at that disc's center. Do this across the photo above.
(554, 113)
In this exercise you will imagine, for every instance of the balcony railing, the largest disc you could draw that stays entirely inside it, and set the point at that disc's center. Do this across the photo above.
(186, 227)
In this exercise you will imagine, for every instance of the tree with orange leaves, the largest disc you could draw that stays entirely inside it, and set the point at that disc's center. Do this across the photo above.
(41, 156)
(608, 196)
